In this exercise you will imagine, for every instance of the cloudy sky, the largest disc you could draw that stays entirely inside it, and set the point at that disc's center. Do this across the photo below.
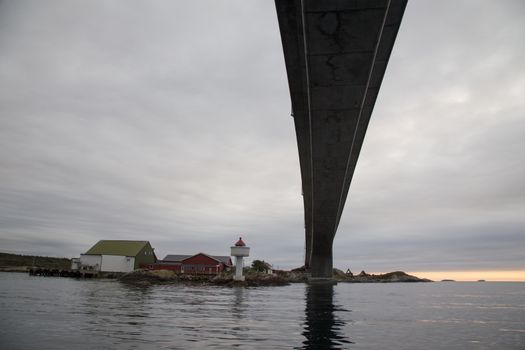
(169, 121)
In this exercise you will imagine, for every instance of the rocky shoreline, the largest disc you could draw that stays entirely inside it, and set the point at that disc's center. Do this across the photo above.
(391, 277)
(255, 279)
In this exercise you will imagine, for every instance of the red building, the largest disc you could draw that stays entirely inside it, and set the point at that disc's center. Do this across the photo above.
(194, 264)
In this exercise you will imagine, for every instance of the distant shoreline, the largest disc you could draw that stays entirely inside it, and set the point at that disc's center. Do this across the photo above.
(15, 262)
(23, 263)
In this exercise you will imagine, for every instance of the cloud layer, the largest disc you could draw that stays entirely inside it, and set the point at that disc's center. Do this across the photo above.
(169, 121)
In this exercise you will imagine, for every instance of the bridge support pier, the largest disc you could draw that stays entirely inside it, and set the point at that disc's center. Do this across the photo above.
(336, 53)
(321, 257)
(321, 266)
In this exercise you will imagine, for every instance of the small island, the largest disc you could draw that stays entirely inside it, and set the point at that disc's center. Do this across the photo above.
(259, 273)
(258, 278)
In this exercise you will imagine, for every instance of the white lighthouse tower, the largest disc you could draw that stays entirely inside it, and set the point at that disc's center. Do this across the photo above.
(239, 251)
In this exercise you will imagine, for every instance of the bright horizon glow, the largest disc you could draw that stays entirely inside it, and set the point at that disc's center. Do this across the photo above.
(489, 276)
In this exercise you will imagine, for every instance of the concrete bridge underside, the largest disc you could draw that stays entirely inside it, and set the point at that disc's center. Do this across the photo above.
(336, 53)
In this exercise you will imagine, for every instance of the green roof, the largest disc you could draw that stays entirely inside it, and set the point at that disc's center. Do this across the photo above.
(124, 248)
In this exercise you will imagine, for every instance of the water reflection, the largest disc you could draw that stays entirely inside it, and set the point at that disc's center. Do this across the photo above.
(238, 305)
(323, 329)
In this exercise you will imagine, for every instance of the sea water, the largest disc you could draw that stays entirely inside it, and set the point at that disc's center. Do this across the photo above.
(66, 313)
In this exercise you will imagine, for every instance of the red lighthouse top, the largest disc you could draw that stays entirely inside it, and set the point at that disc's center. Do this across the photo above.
(240, 243)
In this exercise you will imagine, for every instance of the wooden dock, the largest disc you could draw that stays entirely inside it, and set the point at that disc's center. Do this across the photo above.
(72, 273)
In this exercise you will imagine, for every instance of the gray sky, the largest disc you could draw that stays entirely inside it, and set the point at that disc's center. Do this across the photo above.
(169, 121)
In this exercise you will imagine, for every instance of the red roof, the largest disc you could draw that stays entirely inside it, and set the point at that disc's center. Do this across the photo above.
(240, 243)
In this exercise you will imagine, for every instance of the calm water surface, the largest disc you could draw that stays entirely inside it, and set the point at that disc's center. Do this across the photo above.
(63, 313)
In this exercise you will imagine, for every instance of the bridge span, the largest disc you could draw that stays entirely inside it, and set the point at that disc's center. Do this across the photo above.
(336, 53)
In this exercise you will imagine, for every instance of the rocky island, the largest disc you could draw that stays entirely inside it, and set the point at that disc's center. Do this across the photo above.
(255, 279)
(256, 275)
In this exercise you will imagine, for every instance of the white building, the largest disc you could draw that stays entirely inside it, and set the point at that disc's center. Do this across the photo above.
(116, 256)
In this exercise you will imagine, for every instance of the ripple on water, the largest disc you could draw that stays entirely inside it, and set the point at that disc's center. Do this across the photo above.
(61, 313)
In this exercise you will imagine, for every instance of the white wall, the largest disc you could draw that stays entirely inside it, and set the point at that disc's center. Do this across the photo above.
(117, 263)
(91, 260)
(75, 264)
